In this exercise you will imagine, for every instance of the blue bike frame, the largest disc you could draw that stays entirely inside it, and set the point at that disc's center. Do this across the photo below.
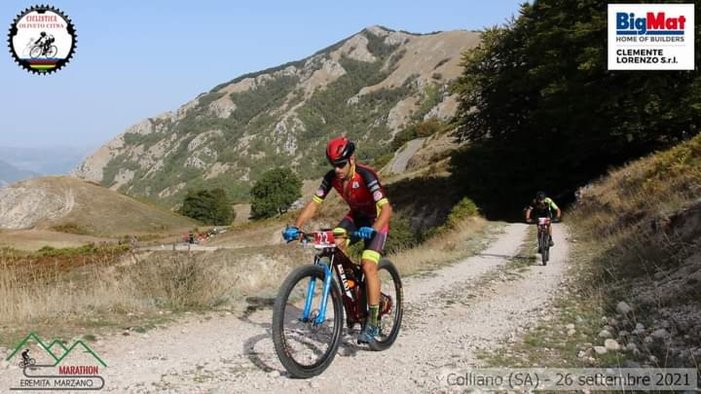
(328, 281)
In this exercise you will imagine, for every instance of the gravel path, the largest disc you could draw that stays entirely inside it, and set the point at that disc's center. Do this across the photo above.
(447, 320)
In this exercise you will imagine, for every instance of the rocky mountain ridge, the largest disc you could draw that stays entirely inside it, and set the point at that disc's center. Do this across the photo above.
(368, 86)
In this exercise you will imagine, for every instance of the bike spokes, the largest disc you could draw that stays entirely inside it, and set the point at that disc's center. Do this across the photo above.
(306, 336)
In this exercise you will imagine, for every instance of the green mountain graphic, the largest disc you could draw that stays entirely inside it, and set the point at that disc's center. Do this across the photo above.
(56, 343)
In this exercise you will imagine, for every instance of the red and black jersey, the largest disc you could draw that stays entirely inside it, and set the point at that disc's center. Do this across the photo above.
(362, 191)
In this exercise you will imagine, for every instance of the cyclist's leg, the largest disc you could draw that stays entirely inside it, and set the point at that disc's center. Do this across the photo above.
(342, 232)
(371, 257)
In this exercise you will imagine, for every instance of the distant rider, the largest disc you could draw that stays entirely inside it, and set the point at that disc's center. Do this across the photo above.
(543, 207)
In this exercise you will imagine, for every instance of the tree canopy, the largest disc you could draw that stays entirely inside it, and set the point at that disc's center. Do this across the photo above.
(209, 206)
(274, 192)
(543, 112)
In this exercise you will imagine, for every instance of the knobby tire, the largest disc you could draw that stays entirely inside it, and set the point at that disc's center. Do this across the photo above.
(294, 368)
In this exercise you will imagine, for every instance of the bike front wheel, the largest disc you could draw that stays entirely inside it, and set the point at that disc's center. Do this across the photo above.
(544, 246)
(304, 346)
(52, 51)
(391, 305)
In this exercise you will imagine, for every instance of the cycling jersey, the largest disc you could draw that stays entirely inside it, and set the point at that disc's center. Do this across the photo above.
(363, 192)
(544, 210)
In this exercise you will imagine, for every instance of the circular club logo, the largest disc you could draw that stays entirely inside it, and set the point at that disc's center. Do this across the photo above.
(42, 39)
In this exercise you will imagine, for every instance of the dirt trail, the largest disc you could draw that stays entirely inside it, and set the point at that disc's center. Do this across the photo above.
(445, 323)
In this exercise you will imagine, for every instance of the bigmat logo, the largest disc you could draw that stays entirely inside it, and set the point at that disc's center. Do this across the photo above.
(651, 36)
(652, 24)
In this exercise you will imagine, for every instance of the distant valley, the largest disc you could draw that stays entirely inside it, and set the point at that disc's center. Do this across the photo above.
(19, 163)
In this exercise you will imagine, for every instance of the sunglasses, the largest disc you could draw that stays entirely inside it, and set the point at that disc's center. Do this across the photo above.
(340, 164)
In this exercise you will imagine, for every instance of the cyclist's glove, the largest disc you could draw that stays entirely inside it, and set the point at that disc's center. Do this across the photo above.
(290, 233)
(366, 232)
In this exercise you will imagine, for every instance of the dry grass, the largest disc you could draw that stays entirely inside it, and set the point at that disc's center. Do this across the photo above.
(659, 184)
(94, 293)
(444, 248)
(628, 214)
(97, 293)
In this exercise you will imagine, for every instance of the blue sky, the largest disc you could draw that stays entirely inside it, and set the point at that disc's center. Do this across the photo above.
(137, 59)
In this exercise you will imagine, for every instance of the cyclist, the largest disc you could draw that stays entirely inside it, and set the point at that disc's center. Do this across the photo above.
(45, 41)
(369, 215)
(25, 356)
(543, 207)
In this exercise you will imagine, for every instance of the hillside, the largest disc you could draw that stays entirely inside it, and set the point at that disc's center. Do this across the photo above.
(640, 229)
(368, 86)
(72, 205)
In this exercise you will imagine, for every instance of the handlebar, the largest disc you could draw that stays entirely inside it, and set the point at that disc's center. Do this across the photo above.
(305, 236)
(535, 221)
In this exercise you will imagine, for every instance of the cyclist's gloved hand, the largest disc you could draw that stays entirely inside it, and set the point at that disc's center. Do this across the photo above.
(290, 233)
(366, 232)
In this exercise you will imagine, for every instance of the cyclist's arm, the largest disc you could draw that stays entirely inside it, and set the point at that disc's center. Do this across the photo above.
(554, 207)
(528, 213)
(384, 208)
(384, 216)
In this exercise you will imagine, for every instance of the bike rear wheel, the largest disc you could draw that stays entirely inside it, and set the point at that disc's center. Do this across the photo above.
(390, 314)
(306, 348)
(35, 52)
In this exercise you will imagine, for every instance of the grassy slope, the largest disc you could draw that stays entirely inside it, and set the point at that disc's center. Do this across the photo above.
(102, 212)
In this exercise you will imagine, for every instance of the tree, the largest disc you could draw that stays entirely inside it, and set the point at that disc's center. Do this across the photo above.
(274, 192)
(209, 206)
(542, 110)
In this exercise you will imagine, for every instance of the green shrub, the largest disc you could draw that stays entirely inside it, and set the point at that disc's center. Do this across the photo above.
(274, 192)
(382, 160)
(401, 235)
(464, 209)
(417, 129)
(209, 206)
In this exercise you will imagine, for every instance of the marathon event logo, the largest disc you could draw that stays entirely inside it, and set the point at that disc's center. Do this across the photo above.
(56, 365)
(651, 36)
(42, 39)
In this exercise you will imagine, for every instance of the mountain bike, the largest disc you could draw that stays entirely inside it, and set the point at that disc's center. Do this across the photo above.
(42, 50)
(27, 362)
(309, 308)
(544, 238)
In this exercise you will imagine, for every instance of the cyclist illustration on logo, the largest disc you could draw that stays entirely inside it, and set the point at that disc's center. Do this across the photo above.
(43, 46)
(26, 360)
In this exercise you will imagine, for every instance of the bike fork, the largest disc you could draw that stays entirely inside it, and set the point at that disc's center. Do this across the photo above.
(328, 279)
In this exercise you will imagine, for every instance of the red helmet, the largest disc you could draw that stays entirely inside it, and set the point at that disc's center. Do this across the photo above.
(339, 150)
